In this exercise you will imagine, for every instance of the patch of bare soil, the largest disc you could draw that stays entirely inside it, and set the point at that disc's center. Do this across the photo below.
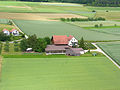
(37, 16)
(19, 7)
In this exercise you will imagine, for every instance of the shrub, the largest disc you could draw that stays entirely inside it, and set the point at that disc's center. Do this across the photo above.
(16, 49)
(93, 11)
(6, 47)
(101, 25)
(96, 25)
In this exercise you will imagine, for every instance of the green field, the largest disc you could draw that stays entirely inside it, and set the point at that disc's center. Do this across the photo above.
(93, 23)
(112, 49)
(84, 73)
(49, 28)
(79, 9)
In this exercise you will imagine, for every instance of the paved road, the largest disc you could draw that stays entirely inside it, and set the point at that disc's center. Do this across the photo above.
(99, 50)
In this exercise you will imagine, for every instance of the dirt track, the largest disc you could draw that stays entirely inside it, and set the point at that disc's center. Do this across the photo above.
(36, 16)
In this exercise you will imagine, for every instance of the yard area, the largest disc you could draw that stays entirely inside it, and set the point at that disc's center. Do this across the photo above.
(49, 28)
(82, 73)
(112, 49)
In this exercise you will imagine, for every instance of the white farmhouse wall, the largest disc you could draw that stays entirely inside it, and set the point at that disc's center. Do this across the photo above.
(15, 33)
(73, 40)
(6, 32)
(82, 52)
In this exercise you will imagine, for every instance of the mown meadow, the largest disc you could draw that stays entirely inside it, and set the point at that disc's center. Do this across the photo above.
(83, 73)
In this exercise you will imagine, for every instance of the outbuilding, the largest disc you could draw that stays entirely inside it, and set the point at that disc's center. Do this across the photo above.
(54, 49)
(74, 51)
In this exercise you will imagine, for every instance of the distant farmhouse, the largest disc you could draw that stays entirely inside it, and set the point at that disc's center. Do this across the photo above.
(64, 45)
(5, 31)
(14, 32)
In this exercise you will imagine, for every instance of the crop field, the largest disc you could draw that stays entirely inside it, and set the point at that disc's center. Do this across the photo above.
(50, 28)
(37, 16)
(112, 31)
(79, 9)
(39, 7)
(112, 49)
(84, 73)
(111, 15)
(93, 23)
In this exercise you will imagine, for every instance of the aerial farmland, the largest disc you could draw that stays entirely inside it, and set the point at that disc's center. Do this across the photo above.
(24, 62)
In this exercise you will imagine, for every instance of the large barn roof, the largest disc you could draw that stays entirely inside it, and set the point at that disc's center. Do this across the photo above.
(55, 48)
(61, 39)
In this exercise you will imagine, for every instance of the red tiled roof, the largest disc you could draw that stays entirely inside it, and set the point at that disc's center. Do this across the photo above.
(70, 37)
(12, 30)
(5, 30)
(61, 39)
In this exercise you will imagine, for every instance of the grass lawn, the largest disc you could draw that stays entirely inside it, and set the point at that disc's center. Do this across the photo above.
(84, 73)
(11, 50)
(112, 49)
(49, 28)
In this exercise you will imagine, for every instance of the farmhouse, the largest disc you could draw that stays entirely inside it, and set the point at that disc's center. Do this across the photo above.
(63, 45)
(14, 32)
(64, 40)
(5, 31)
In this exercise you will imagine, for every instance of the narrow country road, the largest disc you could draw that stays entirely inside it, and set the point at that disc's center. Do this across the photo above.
(99, 50)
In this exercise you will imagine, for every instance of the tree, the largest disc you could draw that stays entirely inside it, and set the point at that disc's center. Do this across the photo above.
(37, 44)
(82, 43)
(6, 46)
(40, 45)
(101, 25)
(23, 45)
(47, 39)
(4, 37)
(31, 41)
(96, 25)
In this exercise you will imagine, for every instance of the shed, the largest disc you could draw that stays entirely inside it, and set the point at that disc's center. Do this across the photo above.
(74, 51)
(54, 49)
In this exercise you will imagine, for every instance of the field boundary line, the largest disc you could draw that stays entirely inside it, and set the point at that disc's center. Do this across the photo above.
(19, 29)
(100, 50)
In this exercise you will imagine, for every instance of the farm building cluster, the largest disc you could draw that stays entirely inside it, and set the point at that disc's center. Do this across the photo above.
(13, 32)
(64, 45)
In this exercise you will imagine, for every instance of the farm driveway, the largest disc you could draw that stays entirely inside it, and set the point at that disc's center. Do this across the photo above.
(99, 50)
